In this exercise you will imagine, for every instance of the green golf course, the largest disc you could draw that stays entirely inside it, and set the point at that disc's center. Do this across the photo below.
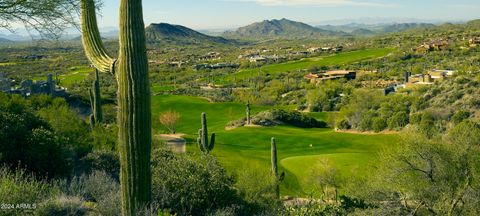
(299, 149)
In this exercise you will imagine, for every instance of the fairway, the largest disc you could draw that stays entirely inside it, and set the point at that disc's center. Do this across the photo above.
(298, 149)
(332, 60)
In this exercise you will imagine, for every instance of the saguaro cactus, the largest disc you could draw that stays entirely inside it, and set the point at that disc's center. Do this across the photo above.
(133, 95)
(95, 102)
(202, 140)
(248, 112)
(278, 178)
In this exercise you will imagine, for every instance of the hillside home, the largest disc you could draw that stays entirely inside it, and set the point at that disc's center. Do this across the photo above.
(432, 46)
(29, 87)
(330, 75)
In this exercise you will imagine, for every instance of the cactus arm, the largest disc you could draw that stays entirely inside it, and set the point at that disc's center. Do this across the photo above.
(204, 131)
(92, 103)
(97, 99)
(199, 140)
(91, 39)
(212, 142)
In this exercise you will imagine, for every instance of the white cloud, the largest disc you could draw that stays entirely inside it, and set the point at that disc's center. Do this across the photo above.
(317, 3)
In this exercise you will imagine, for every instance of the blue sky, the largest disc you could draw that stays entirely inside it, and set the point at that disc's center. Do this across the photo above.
(222, 14)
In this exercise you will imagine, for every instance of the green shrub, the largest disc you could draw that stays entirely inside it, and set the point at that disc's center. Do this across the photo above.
(191, 184)
(18, 187)
(98, 188)
(61, 206)
(398, 121)
(343, 125)
(278, 117)
(379, 124)
(460, 116)
(28, 142)
(106, 161)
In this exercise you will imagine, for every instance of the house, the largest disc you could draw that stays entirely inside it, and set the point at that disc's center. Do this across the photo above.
(432, 46)
(330, 75)
(314, 49)
(28, 88)
(257, 59)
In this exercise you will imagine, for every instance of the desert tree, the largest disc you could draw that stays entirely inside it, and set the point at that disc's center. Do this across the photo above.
(48, 17)
(169, 119)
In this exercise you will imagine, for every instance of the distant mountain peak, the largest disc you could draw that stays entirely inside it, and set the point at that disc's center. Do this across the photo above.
(179, 35)
(283, 28)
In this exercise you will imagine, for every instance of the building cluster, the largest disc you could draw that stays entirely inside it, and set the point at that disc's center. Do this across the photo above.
(215, 66)
(428, 78)
(210, 56)
(316, 78)
(438, 45)
(312, 50)
(266, 58)
(29, 87)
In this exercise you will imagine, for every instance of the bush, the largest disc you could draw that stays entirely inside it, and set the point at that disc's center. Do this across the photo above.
(98, 188)
(63, 205)
(19, 187)
(106, 161)
(344, 125)
(28, 142)
(278, 117)
(398, 121)
(460, 116)
(191, 184)
(237, 123)
(379, 124)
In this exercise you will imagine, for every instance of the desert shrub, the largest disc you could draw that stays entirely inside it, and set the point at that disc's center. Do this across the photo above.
(28, 142)
(257, 187)
(343, 124)
(18, 187)
(191, 184)
(278, 117)
(106, 161)
(237, 123)
(98, 188)
(460, 115)
(379, 124)
(398, 121)
(62, 205)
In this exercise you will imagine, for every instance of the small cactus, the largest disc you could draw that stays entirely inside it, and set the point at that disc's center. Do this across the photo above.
(95, 102)
(202, 139)
(280, 177)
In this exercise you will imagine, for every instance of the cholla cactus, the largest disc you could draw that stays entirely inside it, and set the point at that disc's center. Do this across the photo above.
(202, 139)
(95, 102)
(133, 97)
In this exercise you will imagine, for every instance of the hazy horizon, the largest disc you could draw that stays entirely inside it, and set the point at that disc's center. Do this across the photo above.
(228, 14)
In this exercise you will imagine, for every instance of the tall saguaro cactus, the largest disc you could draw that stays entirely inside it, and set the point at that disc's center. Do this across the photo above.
(95, 102)
(202, 140)
(278, 178)
(133, 95)
(248, 112)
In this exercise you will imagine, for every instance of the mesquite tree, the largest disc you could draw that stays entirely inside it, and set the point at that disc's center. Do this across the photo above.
(278, 178)
(133, 95)
(95, 102)
(202, 139)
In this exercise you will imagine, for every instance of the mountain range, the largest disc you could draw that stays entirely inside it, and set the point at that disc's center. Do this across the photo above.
(282, 28)
(164, 33)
